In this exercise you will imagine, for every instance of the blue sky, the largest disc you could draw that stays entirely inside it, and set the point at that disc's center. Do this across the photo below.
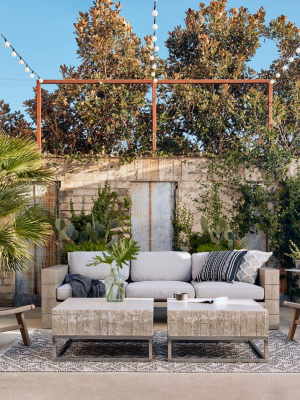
(42, 32)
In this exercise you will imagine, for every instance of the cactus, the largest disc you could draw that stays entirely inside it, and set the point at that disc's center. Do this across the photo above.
(95, 232)
(70, 234)
(221, 233)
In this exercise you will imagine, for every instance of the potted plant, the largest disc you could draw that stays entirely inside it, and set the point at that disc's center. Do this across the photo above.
(294, 254)
(117, 255)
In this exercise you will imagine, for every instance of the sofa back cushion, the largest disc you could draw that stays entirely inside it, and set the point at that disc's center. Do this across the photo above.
(198, 260)
(78, 261)
(161, 266)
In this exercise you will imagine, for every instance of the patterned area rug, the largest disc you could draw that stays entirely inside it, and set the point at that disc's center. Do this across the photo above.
(284, 356)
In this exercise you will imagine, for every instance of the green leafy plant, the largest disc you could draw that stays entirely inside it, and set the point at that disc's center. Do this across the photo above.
(108, 207)
(85, 246)
(120, 253)
(221, 234)
(182, 226)
(294, 251)
(23, 224)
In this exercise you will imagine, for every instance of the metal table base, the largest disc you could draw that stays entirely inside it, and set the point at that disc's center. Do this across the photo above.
(57, 356)
(262, 357)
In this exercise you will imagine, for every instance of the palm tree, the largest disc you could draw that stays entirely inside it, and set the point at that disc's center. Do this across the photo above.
(22, 223)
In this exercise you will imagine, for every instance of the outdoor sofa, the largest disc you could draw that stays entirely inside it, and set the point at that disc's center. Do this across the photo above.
(159, 275)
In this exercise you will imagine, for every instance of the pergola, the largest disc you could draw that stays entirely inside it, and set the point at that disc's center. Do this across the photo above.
(154, 95)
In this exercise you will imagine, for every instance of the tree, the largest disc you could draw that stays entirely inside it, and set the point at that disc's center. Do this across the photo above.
(102, 118)
(14, 123)
(22, 223)
(210, 119)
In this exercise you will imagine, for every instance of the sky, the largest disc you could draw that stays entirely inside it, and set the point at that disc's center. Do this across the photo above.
(42, 31)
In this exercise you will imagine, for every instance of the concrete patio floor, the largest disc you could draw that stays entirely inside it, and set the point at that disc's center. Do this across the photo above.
(135, 386)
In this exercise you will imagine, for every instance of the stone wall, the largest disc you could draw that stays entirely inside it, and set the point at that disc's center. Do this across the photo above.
(7, 289)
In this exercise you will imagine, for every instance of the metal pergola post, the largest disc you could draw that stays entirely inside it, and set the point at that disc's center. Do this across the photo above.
(154, 94)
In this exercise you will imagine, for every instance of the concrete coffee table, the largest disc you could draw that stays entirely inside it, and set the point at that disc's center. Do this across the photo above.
(232, 321)
(98, 320)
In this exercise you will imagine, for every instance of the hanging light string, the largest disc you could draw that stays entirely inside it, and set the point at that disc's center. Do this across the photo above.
(153, 45)
(21, 61)
(285, 67)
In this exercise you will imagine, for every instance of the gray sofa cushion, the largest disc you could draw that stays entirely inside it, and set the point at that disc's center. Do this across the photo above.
(78, 260)
(158, 290)
(198, 260)
(64, 292)
(235, 290)
(161, 266)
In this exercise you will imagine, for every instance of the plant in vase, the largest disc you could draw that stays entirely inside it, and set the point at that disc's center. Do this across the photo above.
(294, 254)
(116, 256)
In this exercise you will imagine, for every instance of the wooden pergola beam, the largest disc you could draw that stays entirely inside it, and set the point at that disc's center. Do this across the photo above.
(154, 95)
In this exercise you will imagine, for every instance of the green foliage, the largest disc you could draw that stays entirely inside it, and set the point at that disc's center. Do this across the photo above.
(120, 253)
(182, 226)
(294, 251)
(85, 246)
(209, 202)
(108, 208)
(221, 234)
(23, 225)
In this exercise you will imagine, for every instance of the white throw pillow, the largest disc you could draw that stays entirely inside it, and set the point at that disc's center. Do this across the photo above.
(253, 260)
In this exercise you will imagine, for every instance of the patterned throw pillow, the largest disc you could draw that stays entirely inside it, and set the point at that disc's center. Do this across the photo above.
(253, 260)
(221, 266)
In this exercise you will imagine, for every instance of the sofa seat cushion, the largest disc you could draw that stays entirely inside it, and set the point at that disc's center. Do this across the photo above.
(158, 290)
(64, 292)
(235, 290)
(78, 261)
(162, 266)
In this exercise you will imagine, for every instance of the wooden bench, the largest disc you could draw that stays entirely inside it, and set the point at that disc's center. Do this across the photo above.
(295, 318)
(19, 313)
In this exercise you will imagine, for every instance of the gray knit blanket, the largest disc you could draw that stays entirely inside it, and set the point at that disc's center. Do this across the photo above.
(83, 286)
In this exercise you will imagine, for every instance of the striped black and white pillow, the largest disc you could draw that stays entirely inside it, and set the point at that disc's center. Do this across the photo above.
(221, 266)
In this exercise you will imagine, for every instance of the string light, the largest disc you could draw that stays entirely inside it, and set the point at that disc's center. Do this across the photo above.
(153, 47)
(21, 60)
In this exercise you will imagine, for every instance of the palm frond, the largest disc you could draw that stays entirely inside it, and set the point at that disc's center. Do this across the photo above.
(33, 225)
(20, 158)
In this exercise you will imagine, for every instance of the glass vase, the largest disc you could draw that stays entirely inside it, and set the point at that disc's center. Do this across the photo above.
(115, 286)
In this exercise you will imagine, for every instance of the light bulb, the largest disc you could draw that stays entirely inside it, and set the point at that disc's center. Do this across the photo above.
(154, 13)
(151, 57)
(278, 75)
(153, 74)
(21, 62)
(156, 48)
(6, 44)
(154, 27)
(13, 54)
(154, 66)
(154, 39)
(155, 80)
(291, 59)
(298, 50)
(151, 46)
(31, 75)
(272, 81)
(26, 69)
(284, 68)
(41, 80)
